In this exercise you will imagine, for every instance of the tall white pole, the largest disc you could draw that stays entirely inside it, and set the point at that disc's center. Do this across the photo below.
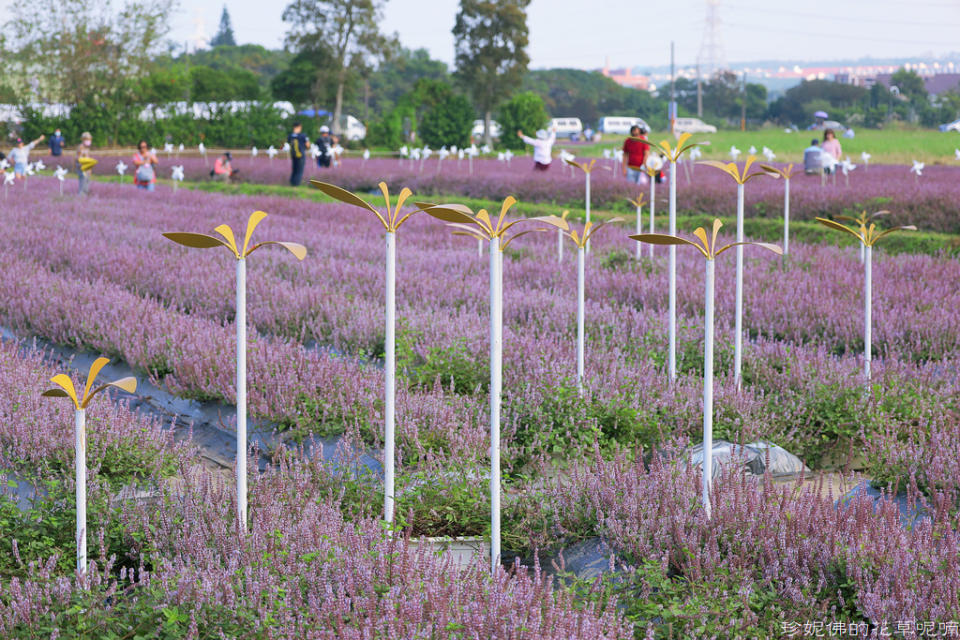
(653, 207)
(496, 365)
(580, 313)
(479, 247)
(708, 386)
(80, 465)
(242, 392)
(672, 270)
(861, 252)
(560, 245)
(389, 369)
(639, 230)
(738, 303)
(587, 200)
(786, 216)
(867, 315)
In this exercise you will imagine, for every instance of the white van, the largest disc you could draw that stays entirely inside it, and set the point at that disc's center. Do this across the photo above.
(693, 125)
(567, 126)
(351, 128)
(621, 125)
(477, 131)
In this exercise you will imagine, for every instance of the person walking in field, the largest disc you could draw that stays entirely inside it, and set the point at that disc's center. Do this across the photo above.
(299, 144)
(325, 147)
(634, 155)
(542, 147)
(83, 151)
(145, 167)
(831, 145)
(20, 156)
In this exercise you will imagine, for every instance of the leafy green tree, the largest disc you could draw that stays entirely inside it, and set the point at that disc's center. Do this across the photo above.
(398, 74)
(448, 122)
(224, 36)
(213, 85)
(910, 85)
(351, 30)
(309, 78)
(524, 111)
(491, 40)
(797, 105)
(262, 62)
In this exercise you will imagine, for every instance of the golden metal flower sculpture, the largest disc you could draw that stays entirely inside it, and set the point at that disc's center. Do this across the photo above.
(868, 236)
(464, 222)
(204, 241)
(67, 390)
(579, 239)
(710, 250)
(786, 172)
(742, 177)
(391, 222)
(673, 152)
(586, 167)
(638, 203)
(708, 247)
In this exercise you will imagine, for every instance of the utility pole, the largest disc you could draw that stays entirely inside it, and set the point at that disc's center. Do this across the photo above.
(743, 105)
(699, 91)
(673, 97)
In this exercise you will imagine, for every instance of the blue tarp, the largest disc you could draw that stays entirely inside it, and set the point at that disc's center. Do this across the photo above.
(310, 113)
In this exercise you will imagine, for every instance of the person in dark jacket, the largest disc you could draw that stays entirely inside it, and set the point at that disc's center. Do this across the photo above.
(298, 153)
(325, 145)
(56, 143)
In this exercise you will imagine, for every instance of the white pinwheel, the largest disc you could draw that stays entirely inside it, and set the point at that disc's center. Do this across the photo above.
(271, 152)
(59, 173)
(508, 155)
(404, 151)
(4, 165)
(181, 147)
(916, 169)
(168, 148)
(453, 149)
(177, 173)
(366, 154)
(121, 168)
(694, 153)
(286, 147)
(846, 166)
(486, 148)
(39, 166)
(865, 158)
(443, 153)
(254, 152)
(956, 152)
(752, 150)
(426, 152)
(8, 179)
(606, 154)
(500, 157)
(202, 149)
(415, 154)
(769, 154)
(29, 170)
(314, 152)
(734, 152)
(460, 154)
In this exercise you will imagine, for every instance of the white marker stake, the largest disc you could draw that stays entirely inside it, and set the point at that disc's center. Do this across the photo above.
(389, 368)
(581, 255)
(241, 319)
(867, 316)
(639, 230)
(708, 386)
(496, 365)
(786, 216)
(738, 302)
(672, 269)
(80, 463)
(653, 207)
(587, 201)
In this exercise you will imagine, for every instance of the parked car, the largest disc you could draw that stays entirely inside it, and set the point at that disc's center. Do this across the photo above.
(693, 125)
(477, 132)
(951, 126)
(567, 127)
(621, 125)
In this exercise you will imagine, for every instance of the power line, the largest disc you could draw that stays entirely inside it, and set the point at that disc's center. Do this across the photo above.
(885, 21)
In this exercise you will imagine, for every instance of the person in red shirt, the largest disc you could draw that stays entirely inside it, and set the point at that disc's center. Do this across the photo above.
(634, 154)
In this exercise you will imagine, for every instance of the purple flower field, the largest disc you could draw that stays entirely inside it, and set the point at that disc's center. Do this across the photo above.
(95, 274)
(929, 202)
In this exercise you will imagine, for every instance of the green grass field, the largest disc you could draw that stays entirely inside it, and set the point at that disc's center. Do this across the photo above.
(893, 146)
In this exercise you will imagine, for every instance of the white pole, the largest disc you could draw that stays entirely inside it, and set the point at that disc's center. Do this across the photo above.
(560, 245)
(786, 216)
(581, 254)
(389, 368)
(587, 200)
(867, 316)
(738, 303)
(80, 464)
(479, 247)
(496, 365)
(708, 387)
(653, 207)
(672, 269)
(242, 392)
(639, 230)
(861, 252)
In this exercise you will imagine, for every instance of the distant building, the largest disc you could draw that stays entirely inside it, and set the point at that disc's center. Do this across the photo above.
(626, 78)
(935, 84)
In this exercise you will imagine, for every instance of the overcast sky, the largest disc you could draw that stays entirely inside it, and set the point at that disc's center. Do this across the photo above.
(583, 33)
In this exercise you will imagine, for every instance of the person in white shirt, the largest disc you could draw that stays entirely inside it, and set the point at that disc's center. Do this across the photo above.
(20, 155)
(542, 147)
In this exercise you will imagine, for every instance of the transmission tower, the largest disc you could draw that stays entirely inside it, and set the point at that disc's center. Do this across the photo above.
(711, 57)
